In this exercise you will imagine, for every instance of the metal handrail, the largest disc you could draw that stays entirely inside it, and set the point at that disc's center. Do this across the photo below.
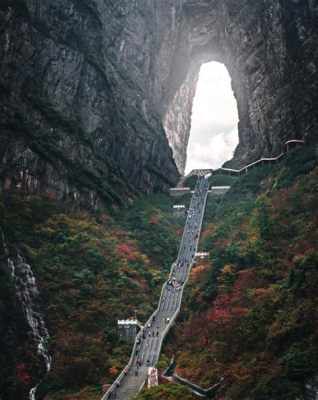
(122, 374)
(128, 365)
(196, 388)
(182, 289)
(238, 171)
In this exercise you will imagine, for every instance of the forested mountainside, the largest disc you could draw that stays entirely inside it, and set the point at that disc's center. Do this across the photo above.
(250, 316)
(91, 269)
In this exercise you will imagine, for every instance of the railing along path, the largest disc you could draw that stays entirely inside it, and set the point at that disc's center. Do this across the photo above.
(289, 145)
(147, 347)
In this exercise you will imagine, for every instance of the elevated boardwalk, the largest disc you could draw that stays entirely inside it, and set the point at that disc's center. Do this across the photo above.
(289, 145)
(172, 376)
(149, 340)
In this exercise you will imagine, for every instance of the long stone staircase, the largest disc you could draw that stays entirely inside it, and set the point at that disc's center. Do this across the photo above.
(149, 340)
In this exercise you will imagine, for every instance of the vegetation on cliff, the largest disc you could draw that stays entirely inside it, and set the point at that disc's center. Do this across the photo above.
(254, 305)
(165, 392)
(91, 269)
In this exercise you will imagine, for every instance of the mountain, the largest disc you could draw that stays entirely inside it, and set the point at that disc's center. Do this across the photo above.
(253, 304)
(95, 112)
(96, 96)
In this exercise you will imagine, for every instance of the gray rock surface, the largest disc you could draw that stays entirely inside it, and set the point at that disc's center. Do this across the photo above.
(96, 95)
(269, 50)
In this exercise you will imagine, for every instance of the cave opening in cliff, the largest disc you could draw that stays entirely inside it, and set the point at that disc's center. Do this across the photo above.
(213, 134)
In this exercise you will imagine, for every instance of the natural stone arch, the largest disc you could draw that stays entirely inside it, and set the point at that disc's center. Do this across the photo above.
(253, 40)
(115, 67)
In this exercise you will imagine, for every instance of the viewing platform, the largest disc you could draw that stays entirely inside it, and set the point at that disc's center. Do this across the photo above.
(128, 328)
(202, 257)
(218, 190)
(179, 210)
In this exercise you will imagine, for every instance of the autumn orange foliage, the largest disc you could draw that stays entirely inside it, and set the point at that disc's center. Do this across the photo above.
(252, 320)
(127, 250)
(197, 270)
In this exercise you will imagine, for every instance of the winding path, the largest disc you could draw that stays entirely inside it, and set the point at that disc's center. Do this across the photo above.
(148, 342)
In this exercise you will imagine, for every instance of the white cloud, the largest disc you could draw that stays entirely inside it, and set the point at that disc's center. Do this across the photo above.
(213, 136)
(213, 152)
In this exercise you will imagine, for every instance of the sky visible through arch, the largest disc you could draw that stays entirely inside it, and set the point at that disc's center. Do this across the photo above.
(213, 135)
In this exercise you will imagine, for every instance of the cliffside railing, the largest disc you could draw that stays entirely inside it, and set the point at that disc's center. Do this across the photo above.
(289, 145)
(113, 387)
(119, 378)
(169, 372)
(211, 391)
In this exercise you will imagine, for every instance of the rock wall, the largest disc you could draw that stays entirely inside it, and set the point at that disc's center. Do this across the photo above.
(96, 95)
(80, 115)
(177, 120)
(269, 50)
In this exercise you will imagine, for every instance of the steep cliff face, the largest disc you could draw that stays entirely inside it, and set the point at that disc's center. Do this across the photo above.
(77, 118)
(269, 50)
(177, 120)
(98, 94)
